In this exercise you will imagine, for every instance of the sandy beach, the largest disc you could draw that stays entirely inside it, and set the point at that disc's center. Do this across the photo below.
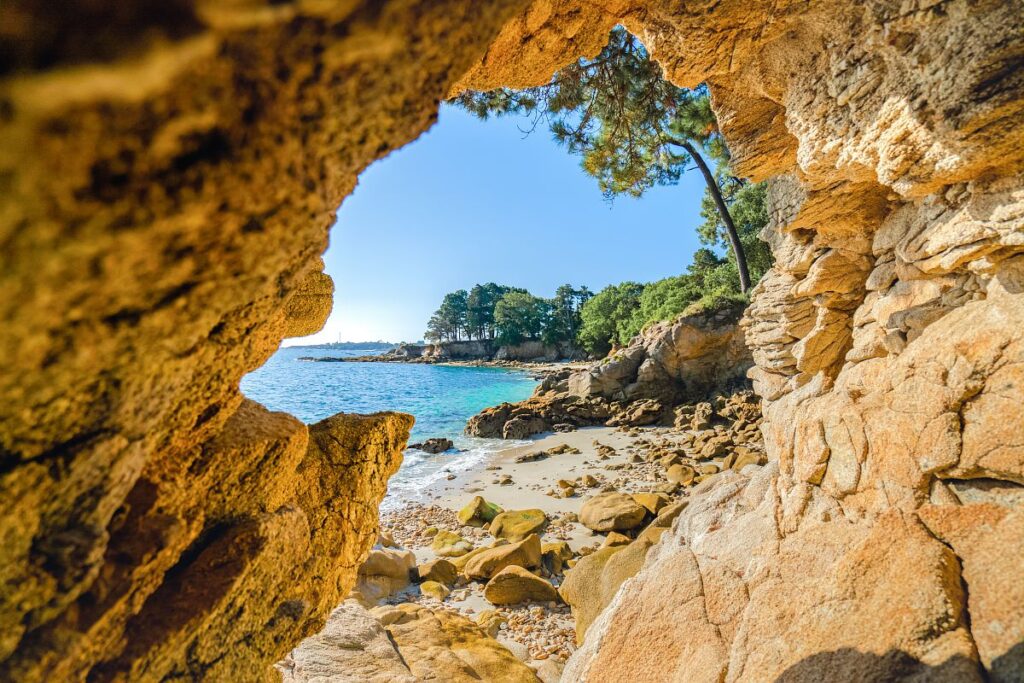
(594, 460)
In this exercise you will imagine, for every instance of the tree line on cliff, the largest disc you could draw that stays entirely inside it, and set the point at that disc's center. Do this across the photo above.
(508, 315)
(617, 313)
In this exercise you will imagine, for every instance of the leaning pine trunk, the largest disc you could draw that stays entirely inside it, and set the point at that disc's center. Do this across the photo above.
(723, 211)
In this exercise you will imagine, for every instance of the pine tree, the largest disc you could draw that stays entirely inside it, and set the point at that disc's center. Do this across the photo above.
(633, 128)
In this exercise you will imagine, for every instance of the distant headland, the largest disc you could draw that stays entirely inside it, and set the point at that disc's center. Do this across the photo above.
(350, 345)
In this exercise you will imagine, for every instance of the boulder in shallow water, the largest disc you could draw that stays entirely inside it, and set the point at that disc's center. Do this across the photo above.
(434, 446)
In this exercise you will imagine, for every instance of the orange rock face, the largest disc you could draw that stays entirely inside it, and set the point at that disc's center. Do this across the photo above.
(167, 181)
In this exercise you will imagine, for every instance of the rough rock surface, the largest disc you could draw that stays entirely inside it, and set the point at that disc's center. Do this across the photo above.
(591, 585)
(887, 344)
(612, 512)
(169, 179)
(525, 553)
(406, 644)
(352, 648)
(383, 572)
(514, 584)
(168, 182)
(515, 525)
(478, 512)
(671, 362)
(475, 350)
(444, 646)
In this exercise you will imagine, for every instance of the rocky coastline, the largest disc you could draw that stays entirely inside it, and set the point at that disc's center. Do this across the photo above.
(474, 352)
(651, 381)
(540, 369)
(520, 556)
(170, 180)
(512, 562)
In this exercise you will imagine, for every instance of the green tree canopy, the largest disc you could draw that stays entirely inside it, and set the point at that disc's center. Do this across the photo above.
(607, 317)
(481, 302)
(449, 321)
(565, 321)
(748, 206)
(519, 316)
(663, 300)
(480, 314)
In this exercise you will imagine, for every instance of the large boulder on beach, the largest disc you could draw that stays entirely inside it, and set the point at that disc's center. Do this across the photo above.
(461, 562)
(439, 645)
(394, 563)
(554, 556)
(525, 553)
(450, 544)
(353, 646)
(384, 572)
(478, 512)
(513, 585)
(439, 570)
(681, 474)
(516, 525)
(435, 589)
(612, 512)
(652, 501)
(522, 427)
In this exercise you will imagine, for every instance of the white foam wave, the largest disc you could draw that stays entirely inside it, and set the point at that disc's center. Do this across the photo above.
(422, 474)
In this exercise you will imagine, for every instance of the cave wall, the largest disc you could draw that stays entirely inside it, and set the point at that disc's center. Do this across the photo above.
(883, 540)
(169, 175)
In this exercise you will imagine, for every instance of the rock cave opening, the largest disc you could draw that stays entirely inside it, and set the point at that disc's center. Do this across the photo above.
(167, 185)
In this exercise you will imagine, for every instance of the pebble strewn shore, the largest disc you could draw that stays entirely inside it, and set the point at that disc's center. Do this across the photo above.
(586, 494)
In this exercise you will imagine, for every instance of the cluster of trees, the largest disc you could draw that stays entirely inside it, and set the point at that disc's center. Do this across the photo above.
(635, 130)
(619, 312)
(508, 315)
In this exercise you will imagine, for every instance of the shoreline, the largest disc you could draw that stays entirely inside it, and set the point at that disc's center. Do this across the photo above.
(535, 632)
(540, 368)
(521, 552)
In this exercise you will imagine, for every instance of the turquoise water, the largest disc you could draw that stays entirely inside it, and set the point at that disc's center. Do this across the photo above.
(441, 398)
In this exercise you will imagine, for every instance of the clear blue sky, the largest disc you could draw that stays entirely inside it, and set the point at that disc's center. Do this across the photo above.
(477, 201)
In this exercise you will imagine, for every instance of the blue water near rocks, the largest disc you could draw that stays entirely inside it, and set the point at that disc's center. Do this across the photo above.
(441, 398)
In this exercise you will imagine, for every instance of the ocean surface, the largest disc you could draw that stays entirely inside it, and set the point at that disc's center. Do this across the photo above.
(441, 398)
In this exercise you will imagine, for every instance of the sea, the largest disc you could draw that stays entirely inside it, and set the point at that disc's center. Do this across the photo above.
(440, 397)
